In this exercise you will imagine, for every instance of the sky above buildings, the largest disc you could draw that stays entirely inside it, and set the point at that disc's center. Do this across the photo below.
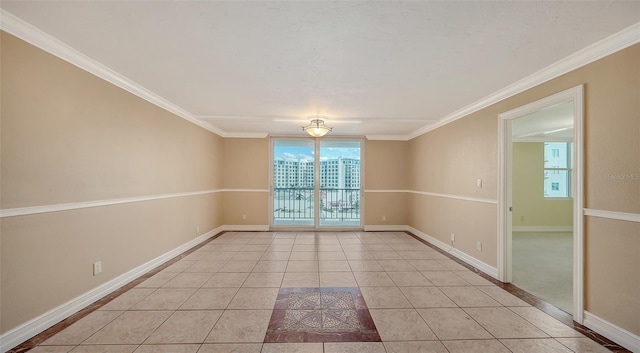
(306, 153)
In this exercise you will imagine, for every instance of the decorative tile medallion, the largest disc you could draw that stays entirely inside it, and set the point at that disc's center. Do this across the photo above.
(321, 315)
(322, 312)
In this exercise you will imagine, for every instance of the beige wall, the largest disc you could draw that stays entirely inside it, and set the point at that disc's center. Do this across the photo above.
(386, 166)
(247, 163)
(68, 136)
(471, 222)
(246, 169)
(450, 158)
(530, 207)
(612, 263)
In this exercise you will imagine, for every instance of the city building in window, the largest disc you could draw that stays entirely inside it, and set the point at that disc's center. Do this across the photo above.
(557, 169)
(337, 173)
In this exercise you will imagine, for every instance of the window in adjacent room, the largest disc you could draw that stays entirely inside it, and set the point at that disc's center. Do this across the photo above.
(557, 169)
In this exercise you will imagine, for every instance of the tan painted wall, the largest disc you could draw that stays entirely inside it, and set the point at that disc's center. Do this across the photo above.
(471, 222)
(246, 163)
(386, 165)
(68, 136)
(246, 166)
(79, 141)
(528, 191)
(391, 205)
(612, 262)
(255, 205)
(386, 168)
(448, 159)
(47, 258)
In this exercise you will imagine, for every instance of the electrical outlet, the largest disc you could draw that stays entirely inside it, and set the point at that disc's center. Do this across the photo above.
(479, 183)
(197, 230)
(244, 217)
(384, 218)
(97, 268)
(479, 246)
(453, 237)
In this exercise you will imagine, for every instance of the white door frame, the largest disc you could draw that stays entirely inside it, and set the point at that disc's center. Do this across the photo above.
(575, 96)
(316, 187)
(317, 176)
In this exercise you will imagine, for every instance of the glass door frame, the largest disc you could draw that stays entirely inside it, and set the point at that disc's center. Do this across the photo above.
(316, 172)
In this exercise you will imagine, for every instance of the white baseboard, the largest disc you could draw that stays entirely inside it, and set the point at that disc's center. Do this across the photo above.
(385, 228)
(35, 326)
(550, 229)
(488, 269)
(617, 334)
(246, 228)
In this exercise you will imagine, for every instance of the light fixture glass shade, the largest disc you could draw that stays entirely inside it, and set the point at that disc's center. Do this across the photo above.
(317, 128)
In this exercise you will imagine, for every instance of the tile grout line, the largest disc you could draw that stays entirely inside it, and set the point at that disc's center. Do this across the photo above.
(533, 301)
(387, 272)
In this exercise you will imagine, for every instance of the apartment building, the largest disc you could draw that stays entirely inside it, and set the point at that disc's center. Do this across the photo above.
(104, 179)
(337, 173)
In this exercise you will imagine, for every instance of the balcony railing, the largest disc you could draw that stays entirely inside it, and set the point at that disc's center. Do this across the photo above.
(295, 204)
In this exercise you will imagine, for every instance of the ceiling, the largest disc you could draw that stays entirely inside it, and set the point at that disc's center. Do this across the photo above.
(551, 124)
(371, 68)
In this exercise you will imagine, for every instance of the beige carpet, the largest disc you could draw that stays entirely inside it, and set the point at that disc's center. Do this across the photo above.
(542, 266)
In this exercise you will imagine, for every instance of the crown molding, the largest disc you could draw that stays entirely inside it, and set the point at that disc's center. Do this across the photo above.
(31, 34)
(598, 50)
(38, 38)
(306, 119)
(388, 137)
(253, 118)
(246, 135)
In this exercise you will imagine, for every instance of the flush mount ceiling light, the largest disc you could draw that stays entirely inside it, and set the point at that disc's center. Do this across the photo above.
(317, 128)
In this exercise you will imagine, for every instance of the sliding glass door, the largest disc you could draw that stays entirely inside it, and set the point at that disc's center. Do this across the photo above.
(339, 183)
(294, 183)
(316, 183)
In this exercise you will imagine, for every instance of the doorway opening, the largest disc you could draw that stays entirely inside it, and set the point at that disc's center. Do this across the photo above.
(540, 199)
(316, 183)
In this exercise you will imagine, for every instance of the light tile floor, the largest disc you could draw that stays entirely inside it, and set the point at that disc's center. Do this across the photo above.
(220, 297)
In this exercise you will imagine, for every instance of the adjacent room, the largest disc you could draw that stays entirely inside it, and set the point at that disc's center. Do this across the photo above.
(543, 192)
(319, 176)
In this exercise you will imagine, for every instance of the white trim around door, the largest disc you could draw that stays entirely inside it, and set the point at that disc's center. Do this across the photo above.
(318, 145)
(575, 96)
